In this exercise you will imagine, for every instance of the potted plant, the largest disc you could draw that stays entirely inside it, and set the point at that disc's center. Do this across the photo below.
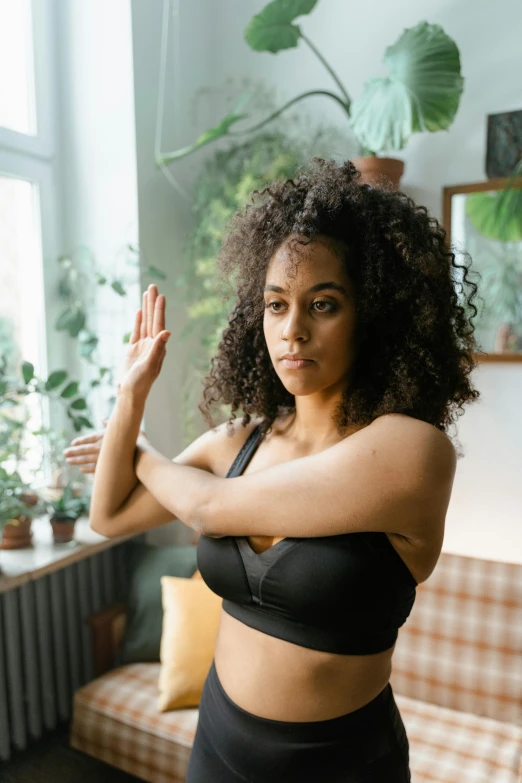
(18, 505)
(63, 513)
(421, 92)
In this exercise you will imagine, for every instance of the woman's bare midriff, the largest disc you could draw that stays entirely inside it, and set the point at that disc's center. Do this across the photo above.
(276, 679)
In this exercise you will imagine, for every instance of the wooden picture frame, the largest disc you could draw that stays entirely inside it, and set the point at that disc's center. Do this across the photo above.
(448, 194)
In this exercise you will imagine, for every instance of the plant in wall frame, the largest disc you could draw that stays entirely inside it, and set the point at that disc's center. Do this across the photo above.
(497, 215)
(483, 219)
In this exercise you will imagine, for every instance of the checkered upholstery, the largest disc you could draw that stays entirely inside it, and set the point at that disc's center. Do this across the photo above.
(457, 680)
(116, 720)
(447, 746)
(461, 647)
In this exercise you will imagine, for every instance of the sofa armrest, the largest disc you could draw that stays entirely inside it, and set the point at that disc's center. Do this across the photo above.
(107, 627)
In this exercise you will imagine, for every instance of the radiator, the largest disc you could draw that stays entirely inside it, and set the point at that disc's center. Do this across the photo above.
(45, 644)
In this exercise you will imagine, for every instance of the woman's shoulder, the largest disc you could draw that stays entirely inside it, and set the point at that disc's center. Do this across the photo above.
(226, 440)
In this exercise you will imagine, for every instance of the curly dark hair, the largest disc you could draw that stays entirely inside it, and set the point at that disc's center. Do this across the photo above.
(414, 340)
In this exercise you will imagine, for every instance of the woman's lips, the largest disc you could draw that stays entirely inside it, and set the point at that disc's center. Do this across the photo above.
(296, 364)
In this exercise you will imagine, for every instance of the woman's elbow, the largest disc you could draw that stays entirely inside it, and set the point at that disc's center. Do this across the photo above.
(103, 527)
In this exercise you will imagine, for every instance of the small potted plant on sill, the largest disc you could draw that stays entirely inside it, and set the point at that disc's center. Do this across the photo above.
(18, 505)
(63, 513)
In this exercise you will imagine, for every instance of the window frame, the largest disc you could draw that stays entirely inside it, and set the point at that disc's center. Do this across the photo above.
(35, 158)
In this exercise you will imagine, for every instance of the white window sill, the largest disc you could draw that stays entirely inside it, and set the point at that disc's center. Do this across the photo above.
(18, 566)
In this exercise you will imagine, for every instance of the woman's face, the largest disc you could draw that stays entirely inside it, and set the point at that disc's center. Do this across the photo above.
(310, 312)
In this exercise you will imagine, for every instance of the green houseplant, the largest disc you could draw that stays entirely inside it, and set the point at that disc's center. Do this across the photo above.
(19, 503)
(80, 278)
(421, 92)
(64, 511)
(498, 214)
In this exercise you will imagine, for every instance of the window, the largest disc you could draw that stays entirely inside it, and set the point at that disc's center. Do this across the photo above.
(17, 105)
(28, 200)
(21, 296)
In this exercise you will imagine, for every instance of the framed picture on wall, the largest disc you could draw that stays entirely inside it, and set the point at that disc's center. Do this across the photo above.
(484, 219)
(504, 143)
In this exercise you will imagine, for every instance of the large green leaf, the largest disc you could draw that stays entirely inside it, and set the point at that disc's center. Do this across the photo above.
(153, 271)
(55, 379)
(70, 390)
(118, 287)
(72, 321)
(27, 371)
(424, 67)
(272, 30)
(383, 98)
(79, 404)
(498, 214)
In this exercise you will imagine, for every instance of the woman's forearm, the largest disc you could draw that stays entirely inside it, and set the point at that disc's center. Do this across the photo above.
(182, 489)
(115, 477)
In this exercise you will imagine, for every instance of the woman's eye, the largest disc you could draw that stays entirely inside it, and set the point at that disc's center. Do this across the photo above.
(324, 302)
(270, 305)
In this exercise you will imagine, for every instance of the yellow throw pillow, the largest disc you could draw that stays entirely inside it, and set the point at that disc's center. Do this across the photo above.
(190, 626)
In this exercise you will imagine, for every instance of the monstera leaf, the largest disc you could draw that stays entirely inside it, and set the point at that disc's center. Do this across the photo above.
(491, 215)
(272, 30)
(422, 92)
(498, 214)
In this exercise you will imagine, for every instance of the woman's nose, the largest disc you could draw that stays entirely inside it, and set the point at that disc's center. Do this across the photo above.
(294, 327)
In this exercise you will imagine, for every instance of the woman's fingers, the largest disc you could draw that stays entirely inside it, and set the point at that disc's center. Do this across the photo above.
(152, 313)
(136, 331)
(88, 468)
(159, 315)
(76, 451)
(152, 294)
(143, 329)
(86, 439)
(87, 460)
(159, 349)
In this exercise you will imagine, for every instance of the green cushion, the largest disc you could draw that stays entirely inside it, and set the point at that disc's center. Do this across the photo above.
(146, 565)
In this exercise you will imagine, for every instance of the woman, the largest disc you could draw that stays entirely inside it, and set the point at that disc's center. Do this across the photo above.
(347, 352)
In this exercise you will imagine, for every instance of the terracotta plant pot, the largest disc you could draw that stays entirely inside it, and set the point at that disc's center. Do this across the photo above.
(63, 528)
(17, 536)
(29, 498)
(378, 172)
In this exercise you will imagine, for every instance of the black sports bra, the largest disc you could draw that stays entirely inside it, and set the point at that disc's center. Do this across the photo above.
(345, 593)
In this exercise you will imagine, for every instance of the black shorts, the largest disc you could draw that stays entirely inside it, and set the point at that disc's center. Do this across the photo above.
(368, 745)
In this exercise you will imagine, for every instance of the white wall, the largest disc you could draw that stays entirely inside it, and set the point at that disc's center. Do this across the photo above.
(208, 52)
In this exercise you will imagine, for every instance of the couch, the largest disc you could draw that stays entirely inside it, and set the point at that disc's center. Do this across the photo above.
(457, 680)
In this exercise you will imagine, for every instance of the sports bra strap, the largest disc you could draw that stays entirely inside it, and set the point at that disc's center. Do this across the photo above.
(245, 453)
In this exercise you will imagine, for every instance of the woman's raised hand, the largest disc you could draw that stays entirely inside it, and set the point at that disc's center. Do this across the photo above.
(147, 346)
